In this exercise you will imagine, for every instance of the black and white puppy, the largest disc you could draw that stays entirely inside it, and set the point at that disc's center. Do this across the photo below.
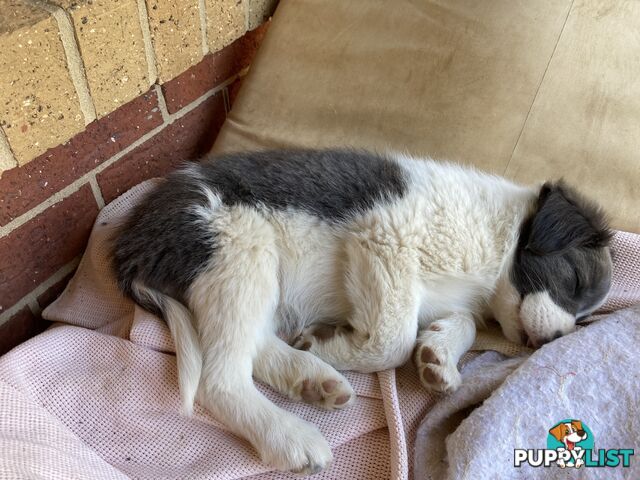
(357, 258)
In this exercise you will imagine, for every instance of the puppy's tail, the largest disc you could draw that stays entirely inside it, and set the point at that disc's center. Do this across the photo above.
(185, 337)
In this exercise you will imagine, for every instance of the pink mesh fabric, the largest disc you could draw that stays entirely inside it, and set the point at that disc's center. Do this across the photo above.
(35, 444)
(96, 396)
(121, 401)
(625, 288)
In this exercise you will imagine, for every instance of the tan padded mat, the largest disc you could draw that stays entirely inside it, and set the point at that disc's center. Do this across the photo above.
(532, 89)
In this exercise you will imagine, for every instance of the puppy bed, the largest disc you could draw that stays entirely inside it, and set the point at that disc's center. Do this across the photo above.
(96, 396)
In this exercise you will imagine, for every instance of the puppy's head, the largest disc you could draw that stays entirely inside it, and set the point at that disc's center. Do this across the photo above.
(561, 271)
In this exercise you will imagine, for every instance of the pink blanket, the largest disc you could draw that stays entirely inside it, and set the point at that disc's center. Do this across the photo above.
(96, 396)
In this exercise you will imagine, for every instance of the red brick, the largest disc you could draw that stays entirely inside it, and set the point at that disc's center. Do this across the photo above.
(53, 292)
(212, 70)
(186, 139)
(23, 188)
(22, 326)
(36, 250)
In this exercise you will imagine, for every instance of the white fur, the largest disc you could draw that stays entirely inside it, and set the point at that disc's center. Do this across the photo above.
(448, 339)
(435, 255)
(505, 307)
(188, 351)
(541, 317)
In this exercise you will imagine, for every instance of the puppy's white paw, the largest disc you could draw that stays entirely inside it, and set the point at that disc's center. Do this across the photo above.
(331, 393)
(436, 369)
(296, 446)
(324, 388)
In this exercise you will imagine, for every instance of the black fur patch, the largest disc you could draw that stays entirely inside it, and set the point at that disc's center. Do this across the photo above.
(562, 250)
(165, 245)
(330, 184)
(162, 244)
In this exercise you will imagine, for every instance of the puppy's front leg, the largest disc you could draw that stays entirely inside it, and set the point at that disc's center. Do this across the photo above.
(439, 348)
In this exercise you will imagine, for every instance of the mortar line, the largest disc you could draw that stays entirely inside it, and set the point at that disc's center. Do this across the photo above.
(202, 8)
(86, 178)
(75, 64)
(143, 17)
(97, 193)
(7, 158)
(247, 14)
(162, 103)
(203, 98)
(74, 186)
(31, 298)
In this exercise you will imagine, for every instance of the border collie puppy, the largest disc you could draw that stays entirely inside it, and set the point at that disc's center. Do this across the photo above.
(356, 259)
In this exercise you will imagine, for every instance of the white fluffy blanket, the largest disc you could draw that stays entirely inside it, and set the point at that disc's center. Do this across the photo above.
(592, 375)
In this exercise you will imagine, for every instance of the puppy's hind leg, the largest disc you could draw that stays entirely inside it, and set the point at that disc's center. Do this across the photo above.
(301, 376)
(380, 282)
(233, 304)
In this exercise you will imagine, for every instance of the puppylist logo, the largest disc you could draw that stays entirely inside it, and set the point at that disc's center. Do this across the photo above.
(570, 444)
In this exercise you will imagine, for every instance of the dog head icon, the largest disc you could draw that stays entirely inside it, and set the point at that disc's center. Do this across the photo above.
(569, 433)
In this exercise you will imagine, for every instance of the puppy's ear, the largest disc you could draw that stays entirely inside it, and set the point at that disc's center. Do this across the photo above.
(558, 432)
(577, 424)
(564, 219)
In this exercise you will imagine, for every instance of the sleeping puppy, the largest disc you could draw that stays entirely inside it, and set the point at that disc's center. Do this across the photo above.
(356, 258)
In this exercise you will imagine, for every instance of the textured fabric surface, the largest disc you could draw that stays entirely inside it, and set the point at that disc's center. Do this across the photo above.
(625, 288)
(481, 375)
(591, 375)
(35, 444)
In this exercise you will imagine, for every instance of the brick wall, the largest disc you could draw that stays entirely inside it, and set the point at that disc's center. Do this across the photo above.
(152, 85)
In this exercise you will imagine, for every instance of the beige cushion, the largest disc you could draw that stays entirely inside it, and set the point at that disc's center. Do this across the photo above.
(531, 89)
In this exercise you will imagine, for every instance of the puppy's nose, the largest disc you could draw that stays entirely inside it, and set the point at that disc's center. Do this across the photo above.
(580, 433)
(538, 342)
